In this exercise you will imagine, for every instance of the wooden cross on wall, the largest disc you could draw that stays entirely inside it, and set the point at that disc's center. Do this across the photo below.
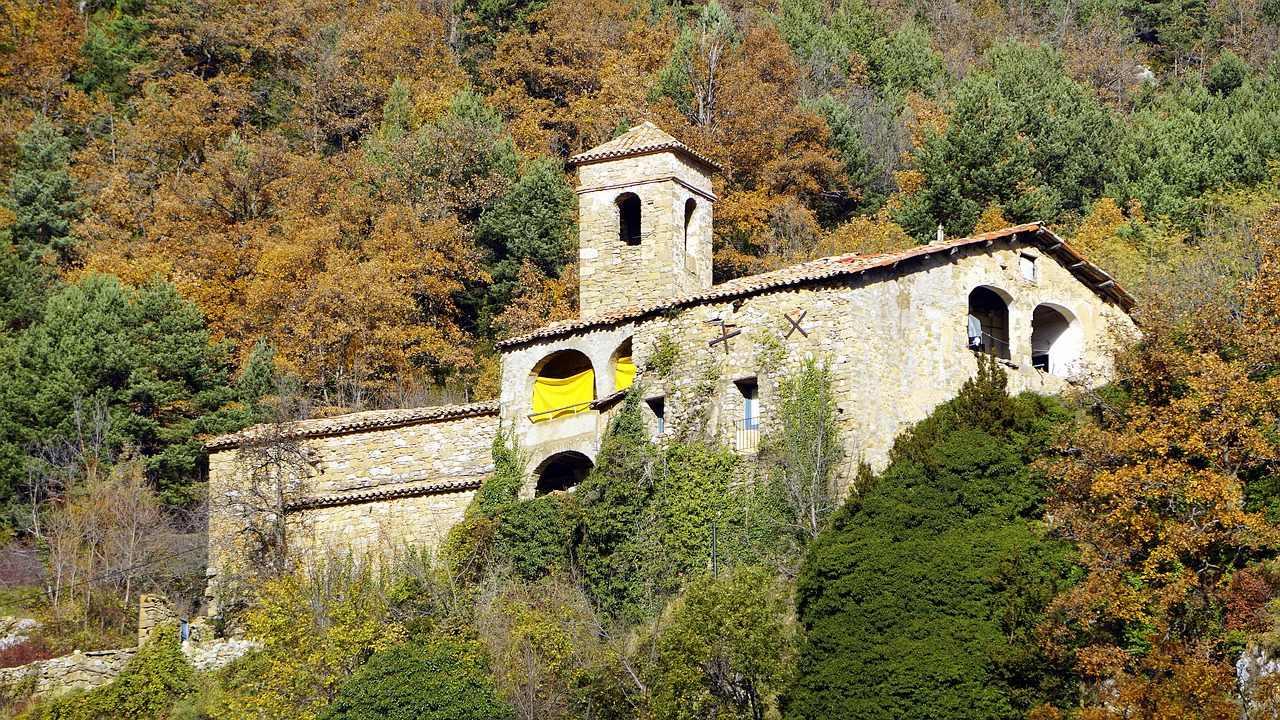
(724, 334)
(795, 323)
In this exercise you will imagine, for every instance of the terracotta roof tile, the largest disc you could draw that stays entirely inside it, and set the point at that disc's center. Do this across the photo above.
(843, 265)
(384, 493)
(352, 422)
(642, 139)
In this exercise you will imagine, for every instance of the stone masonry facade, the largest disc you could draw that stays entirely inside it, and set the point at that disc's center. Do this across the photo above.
(674, 255)
(899, 332)
(367, 483)
(894, 339)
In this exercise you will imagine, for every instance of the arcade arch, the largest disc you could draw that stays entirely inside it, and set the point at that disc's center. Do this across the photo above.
(1057, 343)
(987, 324)
(560, 472)
(564, 383)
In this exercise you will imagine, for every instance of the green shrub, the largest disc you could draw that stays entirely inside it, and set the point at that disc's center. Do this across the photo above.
(423, 679)
(724, 649)
(534, 536)
(924, 594)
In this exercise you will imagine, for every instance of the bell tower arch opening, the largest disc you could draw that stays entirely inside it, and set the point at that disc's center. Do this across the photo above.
(690, 206)
(629, 231)
(644, 219)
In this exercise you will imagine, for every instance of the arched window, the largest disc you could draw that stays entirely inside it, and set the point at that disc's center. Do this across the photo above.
(1056, 341)
(624, 369)
(689, 206)
(629, 218)
(988, 322)
(564, 384)
(562, 471)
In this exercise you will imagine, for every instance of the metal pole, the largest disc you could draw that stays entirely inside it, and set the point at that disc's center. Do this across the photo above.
(715, 562)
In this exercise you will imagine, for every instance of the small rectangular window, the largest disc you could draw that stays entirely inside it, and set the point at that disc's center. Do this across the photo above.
(1028, 265)
(748, 430)
(750, 405)
(658, 406)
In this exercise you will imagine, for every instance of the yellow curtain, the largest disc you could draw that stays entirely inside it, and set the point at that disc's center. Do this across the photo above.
(554, 393)
(624, 375)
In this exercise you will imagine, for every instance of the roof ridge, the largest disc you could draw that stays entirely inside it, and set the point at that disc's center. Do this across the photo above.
(826, 268)
(350, 422)
(642, 139)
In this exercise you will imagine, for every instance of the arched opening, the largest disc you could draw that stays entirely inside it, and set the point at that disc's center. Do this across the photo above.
(564, 384)
(629, 218)
(562, 471)
(624, 369)
(1056, 342)
(988, 322)
(689, 206)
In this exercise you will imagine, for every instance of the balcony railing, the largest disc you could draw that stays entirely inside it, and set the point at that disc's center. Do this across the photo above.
(747, 435)
(573, 409)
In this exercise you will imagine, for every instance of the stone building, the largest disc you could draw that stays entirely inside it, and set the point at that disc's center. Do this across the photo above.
(900, 333)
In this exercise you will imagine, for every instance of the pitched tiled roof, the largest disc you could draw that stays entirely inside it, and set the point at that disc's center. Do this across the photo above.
(384, 493)
(843, 265)
(643, 139)
(351, 422)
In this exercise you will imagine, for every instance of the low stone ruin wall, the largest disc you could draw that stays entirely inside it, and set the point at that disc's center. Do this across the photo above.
(89, 670)
(78, 671)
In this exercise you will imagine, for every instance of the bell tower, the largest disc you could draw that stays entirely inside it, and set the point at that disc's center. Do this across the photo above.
(644, 219)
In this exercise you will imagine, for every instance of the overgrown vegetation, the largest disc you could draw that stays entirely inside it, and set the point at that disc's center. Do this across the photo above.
(157, 677)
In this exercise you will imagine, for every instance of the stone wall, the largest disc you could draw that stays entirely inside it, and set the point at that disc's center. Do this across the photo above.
(78, 671)
(363, 482)
(154, 611)
(895, 341)
(90, 670)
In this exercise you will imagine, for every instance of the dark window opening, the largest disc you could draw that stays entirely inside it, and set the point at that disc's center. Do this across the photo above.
(629, 219)
(659, 407)
(689, 207)
(562, 472)
(988, 323)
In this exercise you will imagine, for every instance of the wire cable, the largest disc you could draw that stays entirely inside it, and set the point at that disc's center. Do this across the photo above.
(104, 576)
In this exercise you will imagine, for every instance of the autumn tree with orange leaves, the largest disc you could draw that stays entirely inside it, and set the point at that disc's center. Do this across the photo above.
(1169, 497)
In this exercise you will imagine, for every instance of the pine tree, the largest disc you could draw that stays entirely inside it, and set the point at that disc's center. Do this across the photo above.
(42, 195)
(532, 221)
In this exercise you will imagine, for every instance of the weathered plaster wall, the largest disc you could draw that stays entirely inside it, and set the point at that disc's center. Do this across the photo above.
(896, 343)
(615, 275)
(355, 484)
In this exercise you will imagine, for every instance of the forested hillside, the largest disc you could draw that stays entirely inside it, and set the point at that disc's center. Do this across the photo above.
(216, 213)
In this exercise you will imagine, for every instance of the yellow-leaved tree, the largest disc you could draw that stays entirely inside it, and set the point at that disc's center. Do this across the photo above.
(1169, 495)
(317, 626)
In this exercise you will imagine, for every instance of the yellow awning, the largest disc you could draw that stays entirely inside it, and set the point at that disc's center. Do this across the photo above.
(624, 375)
(566, 396)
